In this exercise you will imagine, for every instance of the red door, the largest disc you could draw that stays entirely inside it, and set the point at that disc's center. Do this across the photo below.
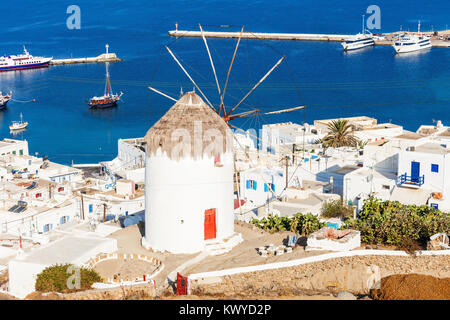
(182, 285)
(210, 224)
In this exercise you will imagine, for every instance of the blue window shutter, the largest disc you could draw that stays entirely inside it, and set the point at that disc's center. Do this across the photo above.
(248, 184)
(273, 187)
(434, 168)
(90, 208)
(254, 185)
(266, 187)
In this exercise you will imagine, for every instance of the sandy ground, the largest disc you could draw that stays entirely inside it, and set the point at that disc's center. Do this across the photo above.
(129, 241)
(246, 254)
(124, 269)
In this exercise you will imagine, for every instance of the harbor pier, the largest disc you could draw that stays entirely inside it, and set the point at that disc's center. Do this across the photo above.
(260, 35)
(387, 41)
(105, 57)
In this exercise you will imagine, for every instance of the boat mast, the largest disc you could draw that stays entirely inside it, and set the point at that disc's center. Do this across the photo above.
(107, 84)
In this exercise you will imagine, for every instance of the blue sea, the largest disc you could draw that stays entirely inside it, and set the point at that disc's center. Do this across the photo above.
(407, 90)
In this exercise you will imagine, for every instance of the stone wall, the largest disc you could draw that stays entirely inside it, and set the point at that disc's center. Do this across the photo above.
(355, 274)
(121, 293)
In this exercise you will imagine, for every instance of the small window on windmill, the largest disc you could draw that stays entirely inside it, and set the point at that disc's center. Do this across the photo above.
(217, 161)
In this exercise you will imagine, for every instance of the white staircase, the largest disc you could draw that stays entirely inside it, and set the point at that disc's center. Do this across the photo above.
(215, 247)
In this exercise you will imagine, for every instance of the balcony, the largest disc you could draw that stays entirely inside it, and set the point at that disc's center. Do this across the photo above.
(414, 181)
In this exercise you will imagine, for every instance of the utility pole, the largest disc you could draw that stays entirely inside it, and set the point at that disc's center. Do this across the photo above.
(304, 129)
(82, 207)
(293, 154)
(50, 191)
(287, 178)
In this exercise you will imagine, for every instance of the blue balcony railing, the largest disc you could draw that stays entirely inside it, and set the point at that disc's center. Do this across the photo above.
(416, 181)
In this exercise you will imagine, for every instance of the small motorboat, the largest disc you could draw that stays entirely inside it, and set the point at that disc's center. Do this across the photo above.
(18, 125)
(4, 99)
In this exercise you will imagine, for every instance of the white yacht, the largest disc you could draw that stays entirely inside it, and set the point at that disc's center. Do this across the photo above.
(361, 40)
(412, 42)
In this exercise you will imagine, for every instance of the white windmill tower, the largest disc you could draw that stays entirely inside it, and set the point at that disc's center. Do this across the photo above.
(189, 179)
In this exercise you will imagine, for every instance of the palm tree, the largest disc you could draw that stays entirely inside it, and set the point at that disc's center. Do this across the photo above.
(339, 135)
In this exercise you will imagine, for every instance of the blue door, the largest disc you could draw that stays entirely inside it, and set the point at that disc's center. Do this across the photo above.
(415, 171)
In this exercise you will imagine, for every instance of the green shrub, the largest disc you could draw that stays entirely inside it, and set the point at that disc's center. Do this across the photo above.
(299, 223)
(54, 279)
(391, 222)
(336, 209)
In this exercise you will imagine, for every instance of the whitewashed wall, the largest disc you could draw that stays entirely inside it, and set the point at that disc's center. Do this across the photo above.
(177, 195)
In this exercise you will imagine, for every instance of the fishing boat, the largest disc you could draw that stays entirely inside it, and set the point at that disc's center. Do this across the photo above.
(23, 61)
(4, 99)
(359, 41)
(411, 42)
(18, 125)
(108, 99)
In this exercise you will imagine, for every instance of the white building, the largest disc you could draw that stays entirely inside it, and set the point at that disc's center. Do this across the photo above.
(260, 185)
(189, 179)
(410, 168)
(76, 250)
(365, 128)
(130, 160)
(15, 147)
(427, 166)
(285, 135)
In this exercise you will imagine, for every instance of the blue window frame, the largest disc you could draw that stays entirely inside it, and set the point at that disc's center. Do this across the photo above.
(267, 185)
(251, 184)
(434, 205)
(434, 168)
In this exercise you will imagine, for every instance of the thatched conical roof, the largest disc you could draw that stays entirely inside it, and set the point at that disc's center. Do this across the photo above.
(189, 129)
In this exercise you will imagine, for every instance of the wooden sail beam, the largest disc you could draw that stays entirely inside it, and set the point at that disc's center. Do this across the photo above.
(240, 115)
(283, 110)
(257, 111)
(210, 58)
(163, 94)
(222, 106)
(190, 78)
(256, 85)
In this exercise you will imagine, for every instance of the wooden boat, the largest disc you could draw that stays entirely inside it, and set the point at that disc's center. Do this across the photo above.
(18, 125)
(108, 99)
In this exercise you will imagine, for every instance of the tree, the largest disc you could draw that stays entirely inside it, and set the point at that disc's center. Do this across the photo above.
(339, 135)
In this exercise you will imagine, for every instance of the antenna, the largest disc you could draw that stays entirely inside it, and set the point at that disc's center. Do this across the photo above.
(363, 29)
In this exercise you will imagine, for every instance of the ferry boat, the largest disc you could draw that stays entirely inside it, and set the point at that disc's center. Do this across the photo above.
(18, 125)
(361, 40)
(108, 99)
(4, 99)
(23, 61)
(411, 42)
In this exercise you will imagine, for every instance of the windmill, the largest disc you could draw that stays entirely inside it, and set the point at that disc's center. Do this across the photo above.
(225, 113)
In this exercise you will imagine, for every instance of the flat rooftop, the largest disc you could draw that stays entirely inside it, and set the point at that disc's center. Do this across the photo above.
(71, 249)
(446, 133)
(431, 148)
(409, 135)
